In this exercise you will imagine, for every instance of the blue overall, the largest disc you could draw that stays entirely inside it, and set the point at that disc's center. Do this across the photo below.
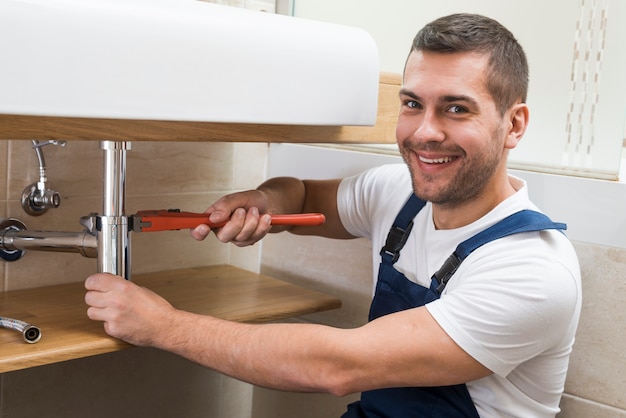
(394, 293)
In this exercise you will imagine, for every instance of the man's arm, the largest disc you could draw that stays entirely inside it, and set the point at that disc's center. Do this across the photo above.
(248, 212)
(407, 348)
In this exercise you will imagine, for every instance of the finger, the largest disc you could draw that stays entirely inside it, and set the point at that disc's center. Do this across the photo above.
(217, 216)
(100, 282)
(250, 225)
(233, 227)
(200, 232)
(94, 299)
(262, 227)
(95, 314)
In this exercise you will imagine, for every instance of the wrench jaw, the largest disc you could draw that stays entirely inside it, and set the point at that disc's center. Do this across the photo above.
(136, 223)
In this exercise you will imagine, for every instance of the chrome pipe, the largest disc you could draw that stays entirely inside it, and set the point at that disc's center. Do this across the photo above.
(114, 177)
(83, 243)
(112, 225)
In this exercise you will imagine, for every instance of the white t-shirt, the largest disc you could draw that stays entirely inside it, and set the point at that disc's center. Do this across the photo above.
(513, 304)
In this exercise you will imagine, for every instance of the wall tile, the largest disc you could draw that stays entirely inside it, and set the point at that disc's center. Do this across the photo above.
(342, 268)
(4, 150)
(64, 218)
(598, 364)
(152, 168)
(247, 258)
(21, 168)
(249, 165)
(573, 407)
(74, 170)
(175, 167)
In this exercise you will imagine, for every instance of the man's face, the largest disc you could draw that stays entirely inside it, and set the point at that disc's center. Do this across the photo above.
(449, 131)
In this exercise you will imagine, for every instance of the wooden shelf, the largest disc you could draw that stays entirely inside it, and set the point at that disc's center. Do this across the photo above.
(69, 128)
(222, 291)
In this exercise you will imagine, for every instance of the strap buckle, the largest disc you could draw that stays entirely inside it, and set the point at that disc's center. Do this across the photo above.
(446, 271)
(395, 241)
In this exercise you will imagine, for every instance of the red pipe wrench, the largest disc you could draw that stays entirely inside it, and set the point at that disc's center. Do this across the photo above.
(173, 219)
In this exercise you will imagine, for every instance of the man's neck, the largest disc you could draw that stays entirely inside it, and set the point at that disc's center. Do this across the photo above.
(451, 217)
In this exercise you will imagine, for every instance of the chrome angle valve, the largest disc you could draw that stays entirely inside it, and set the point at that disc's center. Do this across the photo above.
(36, 197)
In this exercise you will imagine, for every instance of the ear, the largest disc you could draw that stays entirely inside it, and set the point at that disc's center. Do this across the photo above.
(518, 121)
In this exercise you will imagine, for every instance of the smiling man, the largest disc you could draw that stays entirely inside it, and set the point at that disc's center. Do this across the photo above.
(478, 293)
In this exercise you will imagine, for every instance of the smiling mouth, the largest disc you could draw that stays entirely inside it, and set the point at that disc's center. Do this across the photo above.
(437, 160)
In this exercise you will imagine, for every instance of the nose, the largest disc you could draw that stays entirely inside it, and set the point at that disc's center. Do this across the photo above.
(428, 128)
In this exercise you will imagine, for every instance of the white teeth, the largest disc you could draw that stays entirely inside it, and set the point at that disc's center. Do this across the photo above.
(436, 160)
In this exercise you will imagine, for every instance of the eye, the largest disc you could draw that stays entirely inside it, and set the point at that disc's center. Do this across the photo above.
(456, 109)
(412, 104)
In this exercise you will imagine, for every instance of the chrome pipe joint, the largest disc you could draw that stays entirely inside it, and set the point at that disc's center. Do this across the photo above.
(105, 236)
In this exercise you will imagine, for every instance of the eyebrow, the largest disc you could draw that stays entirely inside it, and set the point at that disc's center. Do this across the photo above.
(406, 92)
(450, 98)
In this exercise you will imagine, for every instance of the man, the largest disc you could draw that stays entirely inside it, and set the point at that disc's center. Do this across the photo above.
(489, 337)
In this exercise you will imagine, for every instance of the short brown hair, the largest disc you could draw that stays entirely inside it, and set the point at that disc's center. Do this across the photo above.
(507, 78)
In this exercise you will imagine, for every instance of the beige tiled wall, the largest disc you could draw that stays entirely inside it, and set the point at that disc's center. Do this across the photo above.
(135, 382)
(596, 384)
(184, 175)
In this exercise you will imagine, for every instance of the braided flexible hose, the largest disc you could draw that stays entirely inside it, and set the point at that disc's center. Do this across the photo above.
(31, 333)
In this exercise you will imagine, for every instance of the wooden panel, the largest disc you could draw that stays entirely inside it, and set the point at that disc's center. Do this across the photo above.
(222, 291)
(67, 128)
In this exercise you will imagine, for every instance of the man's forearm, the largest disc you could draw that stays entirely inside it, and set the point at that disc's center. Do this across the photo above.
(270, 355)
(291, 195)
(284, 194)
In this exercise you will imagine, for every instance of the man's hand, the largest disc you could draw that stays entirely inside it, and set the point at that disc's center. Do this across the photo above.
(245, 224)
(129, 312)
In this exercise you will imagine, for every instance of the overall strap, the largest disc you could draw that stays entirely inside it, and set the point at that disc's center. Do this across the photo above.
(401, 229)
(522, 221)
